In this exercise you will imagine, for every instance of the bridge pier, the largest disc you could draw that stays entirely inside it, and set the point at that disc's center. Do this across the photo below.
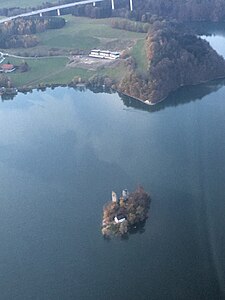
(58, 12)
(93, 3)
(131, 5)
(113, 6)
(40, 14)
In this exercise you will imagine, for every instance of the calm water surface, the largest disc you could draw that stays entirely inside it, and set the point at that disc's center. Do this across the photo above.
(62, 152)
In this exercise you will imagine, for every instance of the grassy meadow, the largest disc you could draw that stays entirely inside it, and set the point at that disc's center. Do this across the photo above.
(79, 33)
(50, 70)
(85, 33)
(139, 54)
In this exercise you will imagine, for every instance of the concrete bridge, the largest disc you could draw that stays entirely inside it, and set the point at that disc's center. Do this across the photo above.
(58, 7)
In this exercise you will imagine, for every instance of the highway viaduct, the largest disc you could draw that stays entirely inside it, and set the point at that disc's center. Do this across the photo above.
(58, 7)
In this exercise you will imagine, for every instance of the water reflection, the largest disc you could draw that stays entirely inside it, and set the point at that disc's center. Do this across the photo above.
(62, 152)
(182, 96)
(80, 88)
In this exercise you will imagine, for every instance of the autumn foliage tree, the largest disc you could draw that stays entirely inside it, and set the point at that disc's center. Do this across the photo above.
(174, 59)
(20, 32)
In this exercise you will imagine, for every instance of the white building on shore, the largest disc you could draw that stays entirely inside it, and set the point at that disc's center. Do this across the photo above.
(97, 53)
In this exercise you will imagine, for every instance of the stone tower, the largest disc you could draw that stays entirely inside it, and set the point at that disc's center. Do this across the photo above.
(125, 194)
(114, 197)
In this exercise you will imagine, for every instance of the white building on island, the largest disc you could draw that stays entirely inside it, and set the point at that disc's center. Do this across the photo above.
(119, 218)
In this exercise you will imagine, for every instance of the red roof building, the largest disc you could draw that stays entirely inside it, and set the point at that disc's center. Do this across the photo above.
(7, 68)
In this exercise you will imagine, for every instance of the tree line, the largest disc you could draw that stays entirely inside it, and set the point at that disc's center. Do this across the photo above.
(185, 10)
(20, 32)
(148, 10)
(130, 25)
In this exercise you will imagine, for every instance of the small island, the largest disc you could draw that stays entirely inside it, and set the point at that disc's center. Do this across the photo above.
(123, 214)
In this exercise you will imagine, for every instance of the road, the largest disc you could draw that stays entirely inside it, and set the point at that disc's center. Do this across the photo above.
(41, 11)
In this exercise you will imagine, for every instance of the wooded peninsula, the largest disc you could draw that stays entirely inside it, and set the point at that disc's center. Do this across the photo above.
(174, 59)
(158, 54)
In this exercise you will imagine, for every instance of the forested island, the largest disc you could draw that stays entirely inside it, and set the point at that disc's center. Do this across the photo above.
(123, 214)
(158, 54)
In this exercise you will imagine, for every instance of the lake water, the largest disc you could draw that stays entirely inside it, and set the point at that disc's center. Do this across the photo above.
(63, 151)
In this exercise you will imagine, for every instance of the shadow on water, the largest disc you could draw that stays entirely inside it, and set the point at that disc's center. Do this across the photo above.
(6, 97)
(137, 228)
(182, 96)
(80, 88)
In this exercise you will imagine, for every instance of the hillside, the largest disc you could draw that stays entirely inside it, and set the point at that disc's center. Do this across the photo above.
(151, 66)
(175, 59)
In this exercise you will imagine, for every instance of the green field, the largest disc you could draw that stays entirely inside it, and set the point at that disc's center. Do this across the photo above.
(85, 34)
(139, 54)
(114, 73)
(81, 33)
(46, 71)
(78, 34)
(23, 3)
